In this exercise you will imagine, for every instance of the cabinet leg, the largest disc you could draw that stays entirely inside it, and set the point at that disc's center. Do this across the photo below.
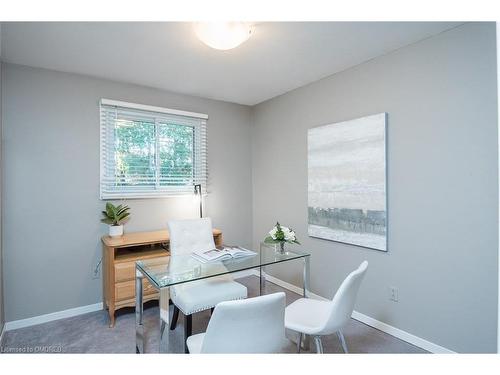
(111, 317)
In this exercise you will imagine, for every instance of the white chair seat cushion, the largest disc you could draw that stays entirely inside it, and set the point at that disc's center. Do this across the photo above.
(307, 315)
(195, 342)
(204, 294)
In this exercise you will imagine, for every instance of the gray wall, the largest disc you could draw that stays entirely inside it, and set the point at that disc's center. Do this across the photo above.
(440, 95)
(51, 183)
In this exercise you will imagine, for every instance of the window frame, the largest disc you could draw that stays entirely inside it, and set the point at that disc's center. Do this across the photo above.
(200, 172)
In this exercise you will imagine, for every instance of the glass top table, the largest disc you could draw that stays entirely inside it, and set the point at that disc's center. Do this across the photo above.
(165, 272)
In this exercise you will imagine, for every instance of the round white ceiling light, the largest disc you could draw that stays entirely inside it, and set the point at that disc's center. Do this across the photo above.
(223, 35)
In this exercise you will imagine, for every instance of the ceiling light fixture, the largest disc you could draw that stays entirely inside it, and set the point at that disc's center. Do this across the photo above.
(223, 35)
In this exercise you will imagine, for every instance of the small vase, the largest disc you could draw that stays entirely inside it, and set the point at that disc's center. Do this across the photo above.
(115, 230)
(280, 248)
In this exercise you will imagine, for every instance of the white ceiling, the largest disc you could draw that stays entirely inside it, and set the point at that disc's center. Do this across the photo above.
(279, 57)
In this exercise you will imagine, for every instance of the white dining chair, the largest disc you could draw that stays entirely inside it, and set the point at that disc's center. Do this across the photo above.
(254, 325)
(318, 318)
(187, 236)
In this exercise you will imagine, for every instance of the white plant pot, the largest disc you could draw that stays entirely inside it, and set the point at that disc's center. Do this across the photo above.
(115, 230)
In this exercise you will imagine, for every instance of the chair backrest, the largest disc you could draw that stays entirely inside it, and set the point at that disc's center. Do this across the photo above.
(343, 302)
(253, 325)
(187, 236)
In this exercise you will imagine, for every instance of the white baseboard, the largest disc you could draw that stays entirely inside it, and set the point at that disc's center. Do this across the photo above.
(381, 326)
(16, 324)
(400, 334)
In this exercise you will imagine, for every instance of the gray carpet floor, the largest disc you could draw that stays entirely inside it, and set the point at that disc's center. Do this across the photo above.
(89, 333)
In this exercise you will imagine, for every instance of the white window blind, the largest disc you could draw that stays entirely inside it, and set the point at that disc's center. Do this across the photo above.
(151, 151)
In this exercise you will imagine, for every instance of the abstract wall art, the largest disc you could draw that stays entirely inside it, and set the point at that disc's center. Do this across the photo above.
(347, 182)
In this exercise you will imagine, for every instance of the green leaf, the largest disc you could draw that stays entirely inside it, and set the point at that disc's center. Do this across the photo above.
(122, 217)
(270, 240)
(110, 210)
(121, 209)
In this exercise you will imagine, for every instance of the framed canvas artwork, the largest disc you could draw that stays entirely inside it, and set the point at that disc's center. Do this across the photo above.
(347, 182)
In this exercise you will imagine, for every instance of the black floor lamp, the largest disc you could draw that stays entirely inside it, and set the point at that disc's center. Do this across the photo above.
(197, 192)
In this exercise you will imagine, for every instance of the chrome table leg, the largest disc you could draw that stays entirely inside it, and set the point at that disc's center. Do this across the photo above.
(164, 320)
(305, 288)
(139, 328)
(262, 284)
(305, 291)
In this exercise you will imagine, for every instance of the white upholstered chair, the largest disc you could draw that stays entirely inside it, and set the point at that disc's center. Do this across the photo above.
(254, 325)
(318, 318)
(187, 236)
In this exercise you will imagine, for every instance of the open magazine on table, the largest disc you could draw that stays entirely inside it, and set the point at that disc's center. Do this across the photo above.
(222, 253)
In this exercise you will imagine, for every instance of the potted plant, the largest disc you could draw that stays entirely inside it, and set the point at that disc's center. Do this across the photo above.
(115, 216)
(281, 235)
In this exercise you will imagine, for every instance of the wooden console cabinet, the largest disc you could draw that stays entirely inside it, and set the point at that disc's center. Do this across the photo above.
(118, 264)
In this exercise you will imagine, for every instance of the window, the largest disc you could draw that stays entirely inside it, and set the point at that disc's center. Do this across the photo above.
(150, 151)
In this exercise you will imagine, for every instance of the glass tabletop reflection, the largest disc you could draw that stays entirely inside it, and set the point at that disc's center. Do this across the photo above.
(177, 269)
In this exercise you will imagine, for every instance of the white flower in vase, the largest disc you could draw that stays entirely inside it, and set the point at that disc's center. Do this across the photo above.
(281, 235)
